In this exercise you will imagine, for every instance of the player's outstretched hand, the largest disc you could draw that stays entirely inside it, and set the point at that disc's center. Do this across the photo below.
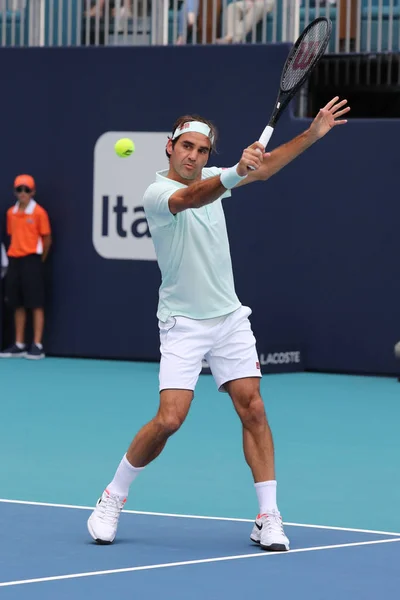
(328, 117)
(252, 159)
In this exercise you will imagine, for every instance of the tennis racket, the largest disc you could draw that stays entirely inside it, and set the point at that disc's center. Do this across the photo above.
(302, 59)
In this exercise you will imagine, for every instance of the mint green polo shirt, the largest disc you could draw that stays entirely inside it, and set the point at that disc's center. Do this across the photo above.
(193, 254)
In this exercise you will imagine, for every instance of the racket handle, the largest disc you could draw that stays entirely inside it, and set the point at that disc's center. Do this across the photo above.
(264, 139)
(266, 135)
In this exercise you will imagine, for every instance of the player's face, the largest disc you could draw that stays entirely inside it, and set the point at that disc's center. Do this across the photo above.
(190, 155)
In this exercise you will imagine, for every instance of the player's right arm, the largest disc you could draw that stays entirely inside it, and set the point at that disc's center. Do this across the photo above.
(196, 195)
(208, 190)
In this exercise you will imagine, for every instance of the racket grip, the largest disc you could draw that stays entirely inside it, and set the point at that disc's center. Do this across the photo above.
(266, 135)
(264, 139)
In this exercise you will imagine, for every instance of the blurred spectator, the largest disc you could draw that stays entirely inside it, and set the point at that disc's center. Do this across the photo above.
(29, 229)
(93, 23)
(94, 19)
(241, 15)
(189, 12)
(4, 261)
(99, 6)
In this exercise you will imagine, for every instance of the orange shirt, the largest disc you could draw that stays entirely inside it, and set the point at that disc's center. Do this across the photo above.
(27, 229)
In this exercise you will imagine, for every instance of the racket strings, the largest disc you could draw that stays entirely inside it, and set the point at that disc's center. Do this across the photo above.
(309, 50)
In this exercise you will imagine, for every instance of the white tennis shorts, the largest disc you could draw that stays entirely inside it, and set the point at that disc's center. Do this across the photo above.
(227, 343)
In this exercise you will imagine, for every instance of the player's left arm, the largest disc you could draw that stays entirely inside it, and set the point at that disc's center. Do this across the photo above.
(327, 118)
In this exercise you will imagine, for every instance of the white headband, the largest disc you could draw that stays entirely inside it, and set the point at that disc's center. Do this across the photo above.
(196, 126)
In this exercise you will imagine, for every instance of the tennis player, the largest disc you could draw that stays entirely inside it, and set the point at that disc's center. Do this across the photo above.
(200, 314)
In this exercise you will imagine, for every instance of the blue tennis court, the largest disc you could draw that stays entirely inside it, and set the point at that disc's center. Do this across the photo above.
(185, 531)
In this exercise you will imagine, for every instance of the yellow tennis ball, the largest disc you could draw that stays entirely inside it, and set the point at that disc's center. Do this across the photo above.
(124, 147)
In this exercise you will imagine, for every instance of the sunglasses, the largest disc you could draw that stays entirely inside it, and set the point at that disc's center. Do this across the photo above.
(23, 188)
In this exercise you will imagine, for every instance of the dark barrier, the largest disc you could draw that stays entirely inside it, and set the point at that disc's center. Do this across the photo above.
(315, 249)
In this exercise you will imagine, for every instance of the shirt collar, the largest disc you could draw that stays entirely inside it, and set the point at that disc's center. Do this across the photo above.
(29, 209)
(161, 176)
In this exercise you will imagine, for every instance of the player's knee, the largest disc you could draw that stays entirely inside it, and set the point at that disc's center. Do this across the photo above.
(169, 422)
(253, 412)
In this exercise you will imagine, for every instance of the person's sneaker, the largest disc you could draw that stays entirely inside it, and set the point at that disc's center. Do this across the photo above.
(103, 522)
(35, 353)
(268, 532)
(13, 352)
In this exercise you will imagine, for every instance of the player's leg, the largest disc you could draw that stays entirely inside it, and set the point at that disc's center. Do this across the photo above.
(145, 447)
(236, 369)
(258, 444)
(151, 439)
(183, 345)
(259, 453)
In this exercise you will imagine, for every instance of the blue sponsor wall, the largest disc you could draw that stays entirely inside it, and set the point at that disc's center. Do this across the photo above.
(315, 249)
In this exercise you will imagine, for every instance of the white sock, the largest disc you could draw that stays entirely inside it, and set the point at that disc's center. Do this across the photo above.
(19, 345)
(266, 494)
(39, 346)
(124, 476)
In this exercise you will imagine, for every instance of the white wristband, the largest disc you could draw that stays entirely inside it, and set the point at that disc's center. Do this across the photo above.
(230, 178)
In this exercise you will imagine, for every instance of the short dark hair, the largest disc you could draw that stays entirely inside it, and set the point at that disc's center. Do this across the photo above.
(188, 118)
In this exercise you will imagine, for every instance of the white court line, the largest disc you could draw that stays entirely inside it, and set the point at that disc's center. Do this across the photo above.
(190, 562)
(159, 514)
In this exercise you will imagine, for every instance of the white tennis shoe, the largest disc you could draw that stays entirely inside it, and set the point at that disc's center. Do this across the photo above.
(268, 532)
(103, 522)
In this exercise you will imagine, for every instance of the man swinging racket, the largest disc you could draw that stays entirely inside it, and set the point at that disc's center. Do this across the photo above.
(200, 314)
